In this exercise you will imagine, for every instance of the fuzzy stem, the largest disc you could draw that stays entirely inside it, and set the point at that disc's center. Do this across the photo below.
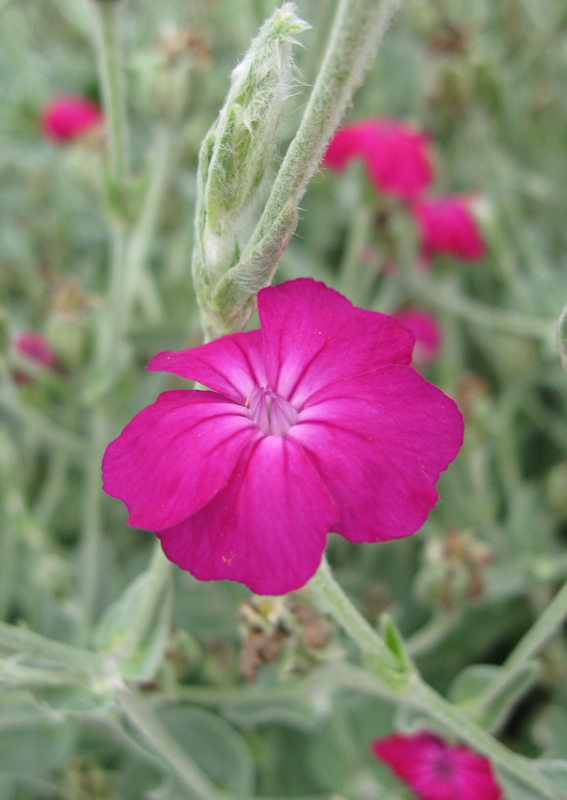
(427, 700)
(562, 337)
(106, 19)
(478, 313)
(433, 633)
(162, 742)
(355, 36)
(106, 16)
(539, 635)
(359, 229)
(21, 640)
(323, 681)
(334, 601)
(46, 428)
(418, 694)
(356, 33)
(92, 523)
(141, 236)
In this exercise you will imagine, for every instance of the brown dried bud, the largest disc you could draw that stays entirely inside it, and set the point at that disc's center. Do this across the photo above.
(453, 37)
(469, 391)
(185, 45)
(259, 648)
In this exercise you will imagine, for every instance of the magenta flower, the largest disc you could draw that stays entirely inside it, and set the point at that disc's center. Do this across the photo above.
(66, 117)
(447, 226)
(33, 346)
(427, 332)
(397, 157)
(315, 423)
(435, 770)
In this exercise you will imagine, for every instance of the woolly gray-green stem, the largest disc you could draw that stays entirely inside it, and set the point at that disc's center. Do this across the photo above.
(412, 689)
(356, 33)
(106, 18)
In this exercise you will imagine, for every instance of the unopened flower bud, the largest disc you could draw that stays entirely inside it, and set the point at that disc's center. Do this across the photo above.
(236, 155)
(246, 131)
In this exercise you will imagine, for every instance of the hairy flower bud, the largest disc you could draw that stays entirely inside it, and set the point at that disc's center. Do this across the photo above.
(238, 151)
(247, 126)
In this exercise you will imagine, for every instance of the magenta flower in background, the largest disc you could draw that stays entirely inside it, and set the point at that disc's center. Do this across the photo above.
(397, 157)
(35, 347)
(448, 227)
(315, 423)
(427, 332)
(66, 117)
(435, 770)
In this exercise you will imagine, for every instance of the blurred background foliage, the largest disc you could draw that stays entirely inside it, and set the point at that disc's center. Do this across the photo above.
(487, 82)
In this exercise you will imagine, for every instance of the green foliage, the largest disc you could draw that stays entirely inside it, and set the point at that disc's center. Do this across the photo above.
(33, 740)
(469, 686)
(486, 81)
(218, 749)
(143, 658)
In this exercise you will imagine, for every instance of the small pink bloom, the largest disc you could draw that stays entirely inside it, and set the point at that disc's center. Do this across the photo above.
(66, 117)
(447, 226)
(397, 157)
(315, 423)
(435, 770)
(426, 330)
(33, 346)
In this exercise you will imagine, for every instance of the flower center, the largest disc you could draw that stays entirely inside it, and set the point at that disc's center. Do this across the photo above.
(443, 767)
(270, 412)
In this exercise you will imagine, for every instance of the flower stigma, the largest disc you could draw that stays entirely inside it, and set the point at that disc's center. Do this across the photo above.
(271, 413)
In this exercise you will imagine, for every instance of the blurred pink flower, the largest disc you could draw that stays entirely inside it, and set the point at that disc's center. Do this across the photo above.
(447, 226)
(66, 117)
(315, 423)
(35, 347)
(397, 157)
(435, 770)
(427, 332)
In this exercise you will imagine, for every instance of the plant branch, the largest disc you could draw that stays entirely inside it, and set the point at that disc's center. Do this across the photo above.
(415, 692)
(356, 33)
(539, 635)
(106, 17)
(162, 742)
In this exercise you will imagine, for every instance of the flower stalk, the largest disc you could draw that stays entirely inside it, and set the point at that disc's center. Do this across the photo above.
(165, 746)
(106, 18)
(561, 335)
(375, 651)
(539, 635)
(419, 695)
(92, 522)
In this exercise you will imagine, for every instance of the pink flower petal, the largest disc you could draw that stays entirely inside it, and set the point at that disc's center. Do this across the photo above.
(266, 529)
(397, 156)
(447, 226)
(35, 346)
(379, 442)
(314, 336)
(398, 162)
(435, 770)
(174, 456)
(349, 142)
(66, 117)
(232, 365)
(473, 775)
(427, 331)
